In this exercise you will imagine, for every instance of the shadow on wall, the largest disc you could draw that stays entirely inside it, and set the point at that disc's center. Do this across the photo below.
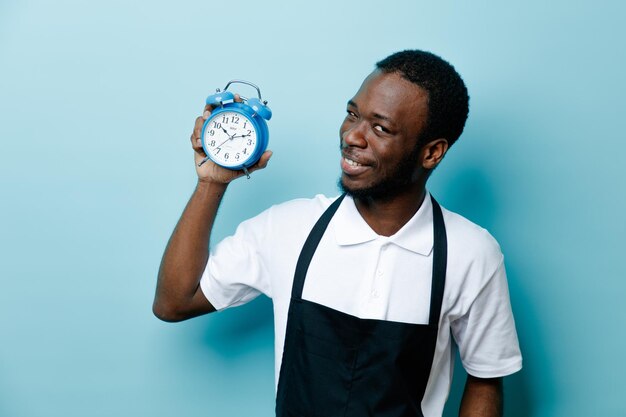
(233, 332)
(522, 397)
(469, 192)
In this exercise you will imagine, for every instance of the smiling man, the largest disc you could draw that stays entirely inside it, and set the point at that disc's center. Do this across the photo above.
(370, 289)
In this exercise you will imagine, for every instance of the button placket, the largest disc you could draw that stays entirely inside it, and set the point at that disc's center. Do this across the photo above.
(377, 302)
(380, 270)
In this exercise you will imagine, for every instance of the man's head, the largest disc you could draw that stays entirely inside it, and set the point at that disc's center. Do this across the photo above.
(448, 101)
(400, 124)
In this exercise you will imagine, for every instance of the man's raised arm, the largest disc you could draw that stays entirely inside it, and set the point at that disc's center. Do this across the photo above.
(178, 295)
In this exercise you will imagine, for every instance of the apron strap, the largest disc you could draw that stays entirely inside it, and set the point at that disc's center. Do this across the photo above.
(440, 262)
(310, 245)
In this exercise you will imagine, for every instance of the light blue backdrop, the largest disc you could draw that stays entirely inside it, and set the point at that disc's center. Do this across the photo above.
(97, 101)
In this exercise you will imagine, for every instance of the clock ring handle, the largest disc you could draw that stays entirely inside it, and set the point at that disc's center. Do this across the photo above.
(244, 82)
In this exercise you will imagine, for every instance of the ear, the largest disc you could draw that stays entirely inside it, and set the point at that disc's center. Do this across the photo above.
(433, 152)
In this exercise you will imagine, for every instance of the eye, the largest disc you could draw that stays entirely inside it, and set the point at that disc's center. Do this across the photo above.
(380, 129)
(351, 113)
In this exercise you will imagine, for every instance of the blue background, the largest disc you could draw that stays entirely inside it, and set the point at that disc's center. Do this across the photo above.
(97, 101)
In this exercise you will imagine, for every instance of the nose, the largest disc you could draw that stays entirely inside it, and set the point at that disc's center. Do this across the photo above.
(354, 136)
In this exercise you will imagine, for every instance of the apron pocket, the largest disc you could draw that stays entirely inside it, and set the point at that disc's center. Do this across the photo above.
(320, 378)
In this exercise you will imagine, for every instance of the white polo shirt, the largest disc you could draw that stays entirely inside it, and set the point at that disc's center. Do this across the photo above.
(356, 271)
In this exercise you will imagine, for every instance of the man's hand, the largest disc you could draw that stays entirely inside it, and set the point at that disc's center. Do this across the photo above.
(210, 171)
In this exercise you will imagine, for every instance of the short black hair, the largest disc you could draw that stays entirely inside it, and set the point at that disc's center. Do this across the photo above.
(448, 100)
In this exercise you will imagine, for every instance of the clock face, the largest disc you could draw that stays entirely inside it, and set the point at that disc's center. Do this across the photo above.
(229, 138)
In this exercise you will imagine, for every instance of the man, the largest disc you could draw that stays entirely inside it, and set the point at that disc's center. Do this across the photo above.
(369, 288)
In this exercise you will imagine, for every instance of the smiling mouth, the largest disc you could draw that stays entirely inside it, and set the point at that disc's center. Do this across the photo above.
(352, 168)
(351, 162)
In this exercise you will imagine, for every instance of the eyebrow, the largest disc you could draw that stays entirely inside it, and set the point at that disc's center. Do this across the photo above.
(374, 115)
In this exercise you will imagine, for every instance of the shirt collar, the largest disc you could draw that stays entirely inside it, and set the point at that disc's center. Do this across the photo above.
(416, 235)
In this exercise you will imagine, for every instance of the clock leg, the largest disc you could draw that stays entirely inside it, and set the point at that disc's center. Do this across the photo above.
(203, 161)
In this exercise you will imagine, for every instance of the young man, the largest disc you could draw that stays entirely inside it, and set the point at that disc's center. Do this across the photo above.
(369, 288)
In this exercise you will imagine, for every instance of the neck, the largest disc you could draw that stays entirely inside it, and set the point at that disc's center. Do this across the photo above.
(387, 216)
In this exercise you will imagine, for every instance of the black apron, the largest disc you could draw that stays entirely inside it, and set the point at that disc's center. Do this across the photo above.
(335, 364)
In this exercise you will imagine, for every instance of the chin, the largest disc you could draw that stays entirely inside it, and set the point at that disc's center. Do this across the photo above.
(380, 191)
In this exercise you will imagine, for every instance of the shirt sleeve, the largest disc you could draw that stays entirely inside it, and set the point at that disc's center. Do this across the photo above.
(486, 334)
(236, 271)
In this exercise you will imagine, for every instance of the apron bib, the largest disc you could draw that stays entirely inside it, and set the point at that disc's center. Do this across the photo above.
(335, 364)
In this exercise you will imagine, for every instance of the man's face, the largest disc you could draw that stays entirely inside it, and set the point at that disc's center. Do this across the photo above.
(379, 136)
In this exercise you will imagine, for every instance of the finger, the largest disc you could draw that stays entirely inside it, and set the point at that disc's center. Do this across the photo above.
(196, 134)
(197, 130)
(208, 109)
(197, 147)
(262, 162)
(265, 158)
(197, 127)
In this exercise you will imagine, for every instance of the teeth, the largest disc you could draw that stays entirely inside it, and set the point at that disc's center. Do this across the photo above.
(352, 163)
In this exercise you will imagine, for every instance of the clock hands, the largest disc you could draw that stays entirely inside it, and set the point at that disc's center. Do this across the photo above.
(241, 136)
(220, 145)
(231, 138)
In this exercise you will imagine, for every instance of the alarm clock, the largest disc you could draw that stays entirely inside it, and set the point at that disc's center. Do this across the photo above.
(235, 135)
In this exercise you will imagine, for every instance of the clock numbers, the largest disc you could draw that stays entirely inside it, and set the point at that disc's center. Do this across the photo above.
(233, 139)
(233, 119)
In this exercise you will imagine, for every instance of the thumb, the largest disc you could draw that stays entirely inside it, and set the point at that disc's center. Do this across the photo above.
(262, 162)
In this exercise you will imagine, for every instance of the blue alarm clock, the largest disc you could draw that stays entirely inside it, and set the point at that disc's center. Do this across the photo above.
(236, 135)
